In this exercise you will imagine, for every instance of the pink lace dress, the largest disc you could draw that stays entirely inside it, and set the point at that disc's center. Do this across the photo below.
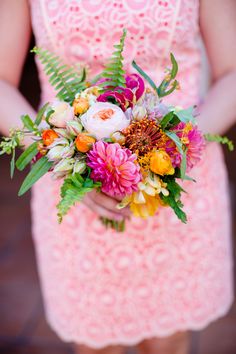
(160, 276)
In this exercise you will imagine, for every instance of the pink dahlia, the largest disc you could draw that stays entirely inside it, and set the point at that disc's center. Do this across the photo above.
(193, 139)
(114, 167)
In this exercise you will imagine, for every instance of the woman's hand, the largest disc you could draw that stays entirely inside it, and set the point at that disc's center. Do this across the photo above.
(105, 206)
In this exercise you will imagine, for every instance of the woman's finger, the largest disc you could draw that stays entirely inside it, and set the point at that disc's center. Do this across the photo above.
(109, 203)
(101, 211)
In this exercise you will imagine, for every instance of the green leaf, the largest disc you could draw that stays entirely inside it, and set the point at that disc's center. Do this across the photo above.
(173, 199)
(27, 156)
(67, 80)
(28, 123)
(73, 190)
(185, 115)
(188, 178)
(41, 113)
(12, 164)
(166, 120)
(221, 140)
(173, 187)
(114, 69)
(174, 69)
(176, 206)
(38, 170)
(183, 165)
(162, 89)
(173, 136)
(118, 226)
(49, 112)
(145, 76)
(164, 93)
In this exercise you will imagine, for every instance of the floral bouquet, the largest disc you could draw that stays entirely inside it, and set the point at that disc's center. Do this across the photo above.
(113, 134)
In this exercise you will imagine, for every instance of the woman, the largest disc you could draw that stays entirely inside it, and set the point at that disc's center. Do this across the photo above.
(151, 285)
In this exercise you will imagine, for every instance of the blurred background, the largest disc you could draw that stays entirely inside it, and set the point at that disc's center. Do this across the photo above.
(23, 328)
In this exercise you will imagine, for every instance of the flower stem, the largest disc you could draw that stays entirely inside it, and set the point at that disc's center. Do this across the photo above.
(118, 226)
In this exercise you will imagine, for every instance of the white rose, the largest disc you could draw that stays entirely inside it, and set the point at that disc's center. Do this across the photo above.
(62, 114)
(102, 119)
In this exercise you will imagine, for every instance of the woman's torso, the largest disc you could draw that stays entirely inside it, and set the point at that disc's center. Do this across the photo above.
(101, 287)
(84, 31)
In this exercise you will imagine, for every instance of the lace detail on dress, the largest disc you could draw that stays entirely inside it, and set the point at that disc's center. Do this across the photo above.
(84, 31)
(160, 276)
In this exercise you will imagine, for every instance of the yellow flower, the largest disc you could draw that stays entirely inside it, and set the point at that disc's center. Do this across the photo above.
(153, 185)
(160, 163)
(80, 105)
(146, 209)
(146, 200)
(141, 204)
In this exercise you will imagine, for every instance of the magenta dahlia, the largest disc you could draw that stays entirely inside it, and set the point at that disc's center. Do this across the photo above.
(194, 141)
(114, 167)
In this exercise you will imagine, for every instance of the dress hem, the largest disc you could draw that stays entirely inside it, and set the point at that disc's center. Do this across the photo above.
(148, 335)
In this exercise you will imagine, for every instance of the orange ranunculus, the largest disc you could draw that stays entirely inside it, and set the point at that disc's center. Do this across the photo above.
(49, 136)
(84, 142)
(160, 163)
(80, 105)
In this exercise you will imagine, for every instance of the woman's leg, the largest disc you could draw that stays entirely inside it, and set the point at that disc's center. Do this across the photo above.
(179, 343)
(82, 349)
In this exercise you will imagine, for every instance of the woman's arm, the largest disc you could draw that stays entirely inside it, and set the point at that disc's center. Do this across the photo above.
(218, 27)
(14, 40)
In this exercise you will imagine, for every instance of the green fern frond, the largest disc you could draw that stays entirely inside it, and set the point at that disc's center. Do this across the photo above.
(221, 140)
(114, 72)
(73, 190)
(67, 80)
